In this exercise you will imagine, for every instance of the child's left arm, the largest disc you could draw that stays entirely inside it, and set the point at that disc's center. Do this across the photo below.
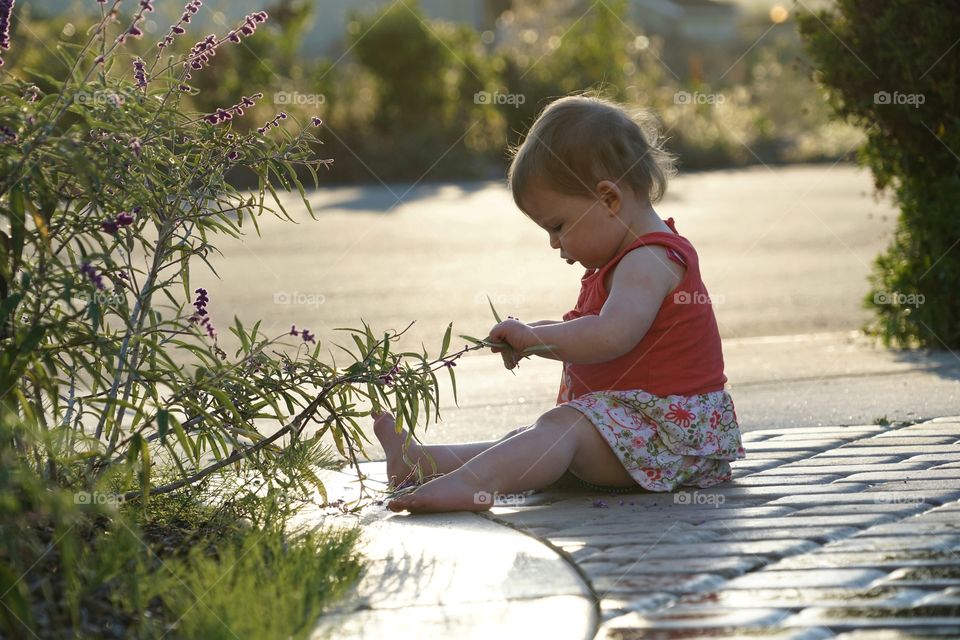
(641, 281)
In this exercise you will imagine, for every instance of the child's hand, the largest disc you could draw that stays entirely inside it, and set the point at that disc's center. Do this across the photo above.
(516, 334)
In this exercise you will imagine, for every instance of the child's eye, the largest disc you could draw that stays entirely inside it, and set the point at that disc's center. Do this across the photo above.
(556, 228)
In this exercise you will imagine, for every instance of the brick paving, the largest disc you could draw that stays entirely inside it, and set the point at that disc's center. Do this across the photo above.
(826, 532)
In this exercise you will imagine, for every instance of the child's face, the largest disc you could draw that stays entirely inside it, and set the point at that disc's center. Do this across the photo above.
(586, 229)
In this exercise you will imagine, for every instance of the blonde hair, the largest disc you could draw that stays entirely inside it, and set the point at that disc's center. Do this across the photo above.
(579, 140)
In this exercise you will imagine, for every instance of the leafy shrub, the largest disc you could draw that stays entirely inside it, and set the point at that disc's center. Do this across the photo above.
(892, 68)
(115, 381)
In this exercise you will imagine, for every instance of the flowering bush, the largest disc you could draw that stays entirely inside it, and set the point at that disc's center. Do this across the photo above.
(110, 191)
(115, 376)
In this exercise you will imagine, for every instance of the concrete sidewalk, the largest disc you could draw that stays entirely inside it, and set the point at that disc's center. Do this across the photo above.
(846, 531)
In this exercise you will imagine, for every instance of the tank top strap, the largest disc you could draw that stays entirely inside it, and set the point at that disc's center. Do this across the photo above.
(674, 243)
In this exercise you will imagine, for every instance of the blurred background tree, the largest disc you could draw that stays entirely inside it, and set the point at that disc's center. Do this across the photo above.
(892, 68)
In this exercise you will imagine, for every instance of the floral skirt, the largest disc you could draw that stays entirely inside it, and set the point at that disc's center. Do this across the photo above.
(669, 441)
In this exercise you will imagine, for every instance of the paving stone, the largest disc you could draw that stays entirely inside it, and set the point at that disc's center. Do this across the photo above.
(923, 431)
(877, 497)
(904, 543)
(831, 435)
(881, 476)
(934, 457)
(902, 510)
(926, 577)
(844, 464)
(759, 479)
(900, 450)
(685, 520)
(861, 520)
(862, 618)
(642, 583)
(731, 490)
(604, 541)
(820, 430)
(727, 567)
(754, 462)
(955, 419)
(795, 468)
(866, 559)
(791, 597)
(734, 619)
(897, 441)
(816, 534)
(947, 485)
(949, 596)
(801, 578)
(913, 527)
(806, 446)
(765, 548)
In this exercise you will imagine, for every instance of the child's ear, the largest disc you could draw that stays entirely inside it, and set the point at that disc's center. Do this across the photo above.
(610, 195)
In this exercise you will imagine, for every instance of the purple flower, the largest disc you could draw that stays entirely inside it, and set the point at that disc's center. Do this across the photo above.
(140, 73)
(307, 336)
(113, 225)
(233, 155)
(201, 315)
(316, 121)
(449, 363)
(175, 30)
(293, 330)
(135, 146)
(600, 504)
(7, 135)
(6, 10)
(222, 115)
(92, 275)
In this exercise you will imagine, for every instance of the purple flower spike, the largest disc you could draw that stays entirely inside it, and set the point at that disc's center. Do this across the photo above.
(600, 504)
(140, 73)
(201, 315)
(307, 336)
(92, 275)
(316, 121)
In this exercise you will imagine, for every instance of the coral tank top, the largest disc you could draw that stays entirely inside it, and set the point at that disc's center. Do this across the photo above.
(679, 355)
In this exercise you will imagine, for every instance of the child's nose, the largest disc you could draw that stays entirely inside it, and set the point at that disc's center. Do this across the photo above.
(554, 241)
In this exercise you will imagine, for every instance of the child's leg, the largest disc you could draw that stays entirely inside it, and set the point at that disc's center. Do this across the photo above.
(561, 439)
(433, 459)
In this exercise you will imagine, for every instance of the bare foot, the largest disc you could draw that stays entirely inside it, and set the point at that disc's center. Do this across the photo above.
(399, 473)
(452, 492)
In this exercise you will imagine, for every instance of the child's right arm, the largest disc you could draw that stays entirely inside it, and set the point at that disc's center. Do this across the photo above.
(540, 323)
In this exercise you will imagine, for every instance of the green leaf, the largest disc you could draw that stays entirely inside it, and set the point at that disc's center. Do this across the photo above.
(163, 423)
(495, 314)
(446, 340)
